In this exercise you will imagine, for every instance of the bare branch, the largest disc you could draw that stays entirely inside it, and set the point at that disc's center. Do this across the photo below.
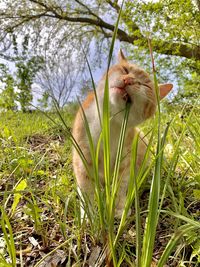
(114, 4)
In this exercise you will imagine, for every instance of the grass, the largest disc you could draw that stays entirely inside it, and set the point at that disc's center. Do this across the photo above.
(44, 224)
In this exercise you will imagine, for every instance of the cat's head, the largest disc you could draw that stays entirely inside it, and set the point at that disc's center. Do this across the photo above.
(128, 82)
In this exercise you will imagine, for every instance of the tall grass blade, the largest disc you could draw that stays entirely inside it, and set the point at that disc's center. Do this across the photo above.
(20, 186)
(94, 87)
(152, 219)
(115, 178)
(106, 144)
(153, 214)
(137, 212)
(8, 235)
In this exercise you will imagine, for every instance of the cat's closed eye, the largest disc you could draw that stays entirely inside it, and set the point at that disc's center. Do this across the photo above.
(125, 69)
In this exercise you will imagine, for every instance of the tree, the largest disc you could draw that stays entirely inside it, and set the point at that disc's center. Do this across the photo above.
(177, 21)
(25, 73)
(57, 78)
(173, 26)
(7, 95)
(17, 86)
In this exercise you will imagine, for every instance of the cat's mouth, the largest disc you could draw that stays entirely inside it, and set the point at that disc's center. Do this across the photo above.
(123, 93)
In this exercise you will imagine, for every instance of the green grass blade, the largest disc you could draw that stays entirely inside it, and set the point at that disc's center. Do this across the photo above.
(106, 117)
(106, 142)
(134, 187)
(94, 87)
(180, 232)
(183, 218)
(152, 219)
(138, 222)
(115, 178)
(8, 235)
(3, 262)
(141, 176)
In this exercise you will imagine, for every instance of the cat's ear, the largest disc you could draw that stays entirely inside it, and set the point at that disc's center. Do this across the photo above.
(121, 56)
(165, 89)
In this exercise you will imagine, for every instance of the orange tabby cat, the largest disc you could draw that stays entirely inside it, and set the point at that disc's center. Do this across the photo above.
(127, 82)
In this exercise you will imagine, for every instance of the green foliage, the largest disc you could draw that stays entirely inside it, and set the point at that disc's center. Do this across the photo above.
(26, 69)
(25, 73)
(17, 86)
(169, 25)
(7, 93)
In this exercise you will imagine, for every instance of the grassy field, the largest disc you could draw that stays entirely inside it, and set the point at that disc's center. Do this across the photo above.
(40, 213)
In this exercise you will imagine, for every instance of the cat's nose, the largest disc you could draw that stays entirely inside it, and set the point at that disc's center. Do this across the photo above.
(128, 81)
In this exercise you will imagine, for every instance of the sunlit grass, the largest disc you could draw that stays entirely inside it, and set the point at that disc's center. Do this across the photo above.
(57, 196)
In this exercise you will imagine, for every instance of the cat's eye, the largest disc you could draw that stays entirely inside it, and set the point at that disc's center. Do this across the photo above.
(125, 69)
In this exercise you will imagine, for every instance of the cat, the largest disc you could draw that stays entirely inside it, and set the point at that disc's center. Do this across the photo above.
(127, 82)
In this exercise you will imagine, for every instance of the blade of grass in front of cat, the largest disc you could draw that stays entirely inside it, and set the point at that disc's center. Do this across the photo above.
(106, 142)
(133, 185)
(129, 197)
(154, 77)
(114, 37)
(137, 214)
(106, 115)
(115, 178)
(94, 87)
(151, 220)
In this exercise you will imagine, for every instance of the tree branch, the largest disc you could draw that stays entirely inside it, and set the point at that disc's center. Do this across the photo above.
(93, 20)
